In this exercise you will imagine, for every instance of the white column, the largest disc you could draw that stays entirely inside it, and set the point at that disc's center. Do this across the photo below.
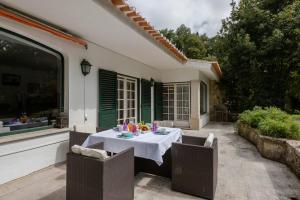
(195, 105)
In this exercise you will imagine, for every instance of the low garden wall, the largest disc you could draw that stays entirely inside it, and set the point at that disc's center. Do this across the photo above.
(281, 150)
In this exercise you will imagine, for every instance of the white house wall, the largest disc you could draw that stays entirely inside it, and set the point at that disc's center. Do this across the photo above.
(45, 151)
(23, 157)
(33, 157)
(99, 57)
(187, 75)
(179, 75)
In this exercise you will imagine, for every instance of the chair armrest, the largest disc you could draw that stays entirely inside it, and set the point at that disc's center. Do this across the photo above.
(127, 153)
(191, 148)
(193, 140)
(99, 145)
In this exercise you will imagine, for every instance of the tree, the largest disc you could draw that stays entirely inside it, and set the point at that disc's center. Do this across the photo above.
(258, 48)
(193, 45)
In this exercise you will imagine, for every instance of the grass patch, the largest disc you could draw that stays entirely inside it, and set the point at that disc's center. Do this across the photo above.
(272, 122)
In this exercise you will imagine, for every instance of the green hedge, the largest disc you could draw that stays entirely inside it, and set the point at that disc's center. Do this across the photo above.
(272, 122)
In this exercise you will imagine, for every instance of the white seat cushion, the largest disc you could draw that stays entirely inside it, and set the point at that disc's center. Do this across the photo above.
(76, 149)
(94, 153)
(209, 140)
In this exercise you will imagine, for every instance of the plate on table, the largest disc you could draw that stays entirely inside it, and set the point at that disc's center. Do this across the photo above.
(125, 135)
(162, 131)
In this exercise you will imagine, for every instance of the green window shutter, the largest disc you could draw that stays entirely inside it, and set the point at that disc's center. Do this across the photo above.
(107, 99)
(138, 100)
(146, 101)
(158, 101)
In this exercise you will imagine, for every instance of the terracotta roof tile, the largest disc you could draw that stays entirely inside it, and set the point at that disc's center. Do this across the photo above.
(131, 13)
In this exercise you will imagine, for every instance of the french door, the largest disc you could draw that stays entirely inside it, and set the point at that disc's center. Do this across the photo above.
(176, 103)
(127, 99)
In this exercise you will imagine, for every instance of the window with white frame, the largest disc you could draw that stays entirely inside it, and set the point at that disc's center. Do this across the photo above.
(183, 102)
(203, 98)
(168, 102)
(176, 101)
(127, 99)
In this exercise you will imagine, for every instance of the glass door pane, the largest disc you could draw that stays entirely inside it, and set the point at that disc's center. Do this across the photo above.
(176, 103)
(121, 100)
(127, 99)
(183, 102)
(168, 102)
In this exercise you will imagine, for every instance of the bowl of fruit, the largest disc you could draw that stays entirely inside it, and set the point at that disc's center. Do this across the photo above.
(144, 127)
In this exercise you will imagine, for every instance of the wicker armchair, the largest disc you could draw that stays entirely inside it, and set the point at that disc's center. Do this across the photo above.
(195, 167)
(92, 179)
(77, 138)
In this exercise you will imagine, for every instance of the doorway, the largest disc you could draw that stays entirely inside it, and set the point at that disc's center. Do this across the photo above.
(176, 103)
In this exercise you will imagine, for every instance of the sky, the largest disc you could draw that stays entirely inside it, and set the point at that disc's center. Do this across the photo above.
(203, 16)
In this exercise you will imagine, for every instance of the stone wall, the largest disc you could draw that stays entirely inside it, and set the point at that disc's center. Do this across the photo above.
(281, 150)
(215, 98)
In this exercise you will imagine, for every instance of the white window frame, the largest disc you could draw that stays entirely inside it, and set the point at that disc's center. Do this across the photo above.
(175, 119)
(167, 101)
(126, 97)
(182, 107)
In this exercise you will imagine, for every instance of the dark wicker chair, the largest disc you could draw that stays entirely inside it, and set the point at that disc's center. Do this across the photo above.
(99, 129)
(77, 138)
(195, 167)
(92, 179)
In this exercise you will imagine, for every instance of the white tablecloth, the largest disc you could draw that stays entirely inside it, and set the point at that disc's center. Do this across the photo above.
(148, 145)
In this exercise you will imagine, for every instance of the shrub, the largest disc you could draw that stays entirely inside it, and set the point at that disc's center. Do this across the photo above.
(296, 118)
(253, 117)
(294, 131)
(272, 122)
(273, 128)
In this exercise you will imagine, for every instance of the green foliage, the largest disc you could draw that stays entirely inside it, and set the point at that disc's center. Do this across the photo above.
(193, 45)
(258, 48)
(253, 118)
(272, 122)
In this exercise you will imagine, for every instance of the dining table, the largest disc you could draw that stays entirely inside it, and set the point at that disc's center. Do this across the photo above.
(147, 145)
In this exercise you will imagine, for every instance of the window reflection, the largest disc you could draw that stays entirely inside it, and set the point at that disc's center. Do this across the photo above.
(30, 83)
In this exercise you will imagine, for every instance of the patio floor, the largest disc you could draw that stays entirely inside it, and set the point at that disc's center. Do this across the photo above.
(243, 174)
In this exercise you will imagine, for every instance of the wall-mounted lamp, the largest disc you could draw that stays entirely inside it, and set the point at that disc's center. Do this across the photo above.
(152, 82)
(85, 67)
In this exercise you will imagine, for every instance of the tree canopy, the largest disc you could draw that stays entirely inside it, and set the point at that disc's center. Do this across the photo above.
(258, 48)
(193, 45)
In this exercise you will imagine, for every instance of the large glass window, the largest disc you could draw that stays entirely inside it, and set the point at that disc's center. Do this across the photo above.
(203, 98)
(127, 99)
(31, 83)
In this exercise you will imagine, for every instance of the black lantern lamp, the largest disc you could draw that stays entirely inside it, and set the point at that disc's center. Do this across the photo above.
(152, 82)
(85, 67)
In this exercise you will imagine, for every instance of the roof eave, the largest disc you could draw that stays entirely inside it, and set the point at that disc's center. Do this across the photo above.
(143, 25)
